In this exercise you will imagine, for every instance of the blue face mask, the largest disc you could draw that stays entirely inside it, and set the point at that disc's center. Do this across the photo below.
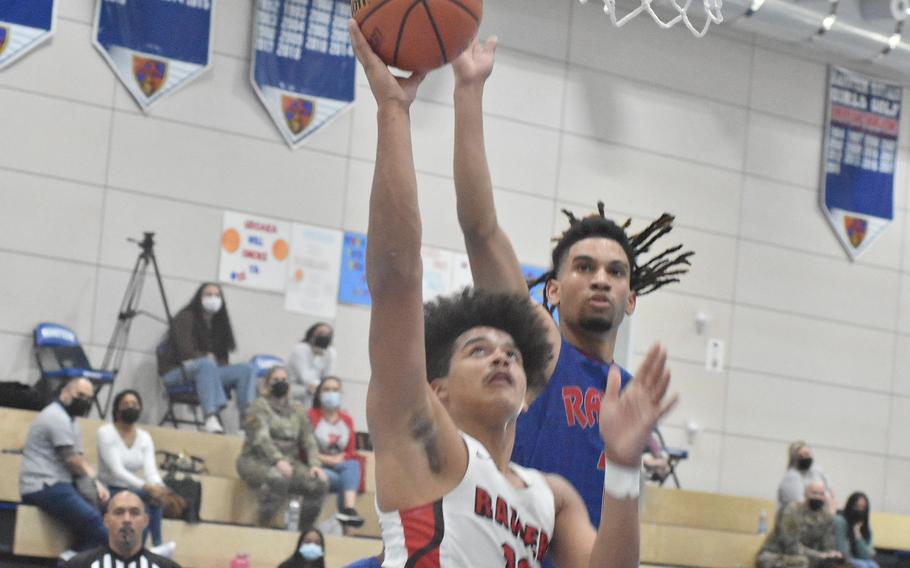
(310, 551)
(330, 400)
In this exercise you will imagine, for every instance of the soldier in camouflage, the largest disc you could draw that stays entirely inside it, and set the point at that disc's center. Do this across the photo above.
(278, 433)
(803, 536)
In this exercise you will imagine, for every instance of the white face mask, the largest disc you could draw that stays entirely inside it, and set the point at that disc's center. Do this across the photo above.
(310, 551)
(330, 400)
(211, 304)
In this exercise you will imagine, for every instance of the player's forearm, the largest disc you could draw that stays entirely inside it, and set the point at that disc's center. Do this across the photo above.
(473, 186)
(393, 237)
(617, 542)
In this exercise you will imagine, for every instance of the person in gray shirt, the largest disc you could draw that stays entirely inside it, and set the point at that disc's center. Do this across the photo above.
(52, 461)
(800, 472)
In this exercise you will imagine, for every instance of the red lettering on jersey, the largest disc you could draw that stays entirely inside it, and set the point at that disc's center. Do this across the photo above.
(543, 546)
(572, 398)
(509, 553)
(602, 462)
(517, 529)
(592, 405)
(523, 563)
(530, 538)
(483, 503)
(502, 512)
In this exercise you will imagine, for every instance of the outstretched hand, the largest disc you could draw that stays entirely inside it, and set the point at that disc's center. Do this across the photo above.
(386, 87)
(475, 64)
(627, 419)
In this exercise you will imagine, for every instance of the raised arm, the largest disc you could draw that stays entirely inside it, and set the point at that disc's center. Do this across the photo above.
(418, 449)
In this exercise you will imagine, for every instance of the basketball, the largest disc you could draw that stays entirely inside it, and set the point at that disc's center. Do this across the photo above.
(418, 35)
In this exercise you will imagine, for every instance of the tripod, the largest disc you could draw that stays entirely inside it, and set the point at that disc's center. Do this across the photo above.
(116, 348)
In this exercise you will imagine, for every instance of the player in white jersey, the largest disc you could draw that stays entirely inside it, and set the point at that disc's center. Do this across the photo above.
(446, 389)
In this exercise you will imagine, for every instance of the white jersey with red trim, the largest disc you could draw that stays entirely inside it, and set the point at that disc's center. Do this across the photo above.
(483, 522)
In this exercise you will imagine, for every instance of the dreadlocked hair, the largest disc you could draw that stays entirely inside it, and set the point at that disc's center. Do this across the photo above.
(657, 272)
(445, 319)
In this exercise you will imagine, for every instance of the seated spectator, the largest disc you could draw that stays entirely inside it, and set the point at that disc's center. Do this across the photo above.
(125, 520)
(278, 433)
(312, 360)
(803, 536)
(337, 441)
(852, 532)
(126, 459)
(196, 349)
(310, 551)
(53, 465)
(800, 471)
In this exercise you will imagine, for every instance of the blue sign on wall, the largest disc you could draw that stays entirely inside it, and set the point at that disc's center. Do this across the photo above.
(24, 25)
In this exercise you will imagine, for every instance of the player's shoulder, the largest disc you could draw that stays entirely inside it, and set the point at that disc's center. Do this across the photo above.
(84, 558)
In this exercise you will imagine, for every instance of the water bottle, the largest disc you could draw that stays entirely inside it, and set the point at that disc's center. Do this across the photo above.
(292, 516)
(242, 560)
(763, 522)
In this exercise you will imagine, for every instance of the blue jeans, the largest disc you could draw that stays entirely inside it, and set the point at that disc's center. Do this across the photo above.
(863, 563)
(155, 514)
(212, 381)
(343, 477)
(65, 504)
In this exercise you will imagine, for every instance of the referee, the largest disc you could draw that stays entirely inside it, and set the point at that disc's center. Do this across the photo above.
(125, 520)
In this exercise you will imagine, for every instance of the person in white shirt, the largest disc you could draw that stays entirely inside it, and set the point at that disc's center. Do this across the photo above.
(126, 460)
(312, 360)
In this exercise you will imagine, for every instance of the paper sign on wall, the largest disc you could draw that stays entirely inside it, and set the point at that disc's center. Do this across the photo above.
(254, 251)
(353, 288)
(313, 271)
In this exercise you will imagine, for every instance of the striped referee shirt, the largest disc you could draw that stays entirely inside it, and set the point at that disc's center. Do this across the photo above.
(104, 557)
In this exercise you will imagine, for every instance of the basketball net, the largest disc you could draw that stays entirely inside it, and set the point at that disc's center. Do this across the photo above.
(712, 11)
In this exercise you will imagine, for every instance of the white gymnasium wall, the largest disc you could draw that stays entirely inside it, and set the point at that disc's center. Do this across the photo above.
(725, 134)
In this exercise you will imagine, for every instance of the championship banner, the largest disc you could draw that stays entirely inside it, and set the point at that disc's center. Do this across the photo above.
(303, 63)
(154, 46)
(254, 251)
(860, 156)
(24, 25)
(314, 270)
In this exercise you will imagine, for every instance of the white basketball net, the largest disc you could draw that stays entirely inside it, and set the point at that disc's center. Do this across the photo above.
(712, 11)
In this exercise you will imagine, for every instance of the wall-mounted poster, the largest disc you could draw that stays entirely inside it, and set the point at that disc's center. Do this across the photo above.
(24, 25)
(314, 270)
(353, 288)
(254, 251)
(154, 46)
(860, 157)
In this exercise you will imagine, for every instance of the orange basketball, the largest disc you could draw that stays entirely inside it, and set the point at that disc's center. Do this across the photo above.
(418, 35)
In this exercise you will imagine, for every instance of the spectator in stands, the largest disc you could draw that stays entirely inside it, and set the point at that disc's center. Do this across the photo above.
(197, 349)
(53, 466)
(337, 439)
(125, 520)
(800, 471)
(278, 434)
(310, 552)
(126, 459)
(852, 532)
(803, 536)
(312, 360)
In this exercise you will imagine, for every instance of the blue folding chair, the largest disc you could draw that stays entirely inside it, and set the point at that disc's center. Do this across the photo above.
(183, 393)
(263, 363)
(60, 357)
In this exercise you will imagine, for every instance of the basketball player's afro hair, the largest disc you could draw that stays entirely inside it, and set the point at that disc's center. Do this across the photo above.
(447, 318)
(660, 270)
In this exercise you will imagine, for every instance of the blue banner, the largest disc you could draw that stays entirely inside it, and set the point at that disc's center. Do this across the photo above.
(303, 63)
(352, 288)
(154, 46)
(24, 25)
(860, 157)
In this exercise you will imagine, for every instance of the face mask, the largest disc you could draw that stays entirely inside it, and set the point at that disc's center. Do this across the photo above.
(279, 389)
(803, 464)
(78, 407)
(816, 504)
(330, 400)
(310, 551)
(129, 415)
(211, 304)
(322, 341)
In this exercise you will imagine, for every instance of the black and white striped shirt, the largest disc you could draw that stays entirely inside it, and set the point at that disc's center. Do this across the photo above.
(104, 557)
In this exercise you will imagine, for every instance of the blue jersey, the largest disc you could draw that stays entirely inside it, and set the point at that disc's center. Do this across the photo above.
(560, 433)
(370, 562)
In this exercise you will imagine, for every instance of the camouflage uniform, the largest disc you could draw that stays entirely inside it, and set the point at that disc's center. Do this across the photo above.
(276, 431)
(798, 538)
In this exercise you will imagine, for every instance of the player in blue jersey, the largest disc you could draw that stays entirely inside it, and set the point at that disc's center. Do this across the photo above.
(594, 282)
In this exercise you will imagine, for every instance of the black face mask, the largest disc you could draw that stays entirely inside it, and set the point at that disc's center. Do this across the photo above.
(279, 389)
(322, 341)
(803, 464)
(816, 504)
(129, 415)
(78, 407)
